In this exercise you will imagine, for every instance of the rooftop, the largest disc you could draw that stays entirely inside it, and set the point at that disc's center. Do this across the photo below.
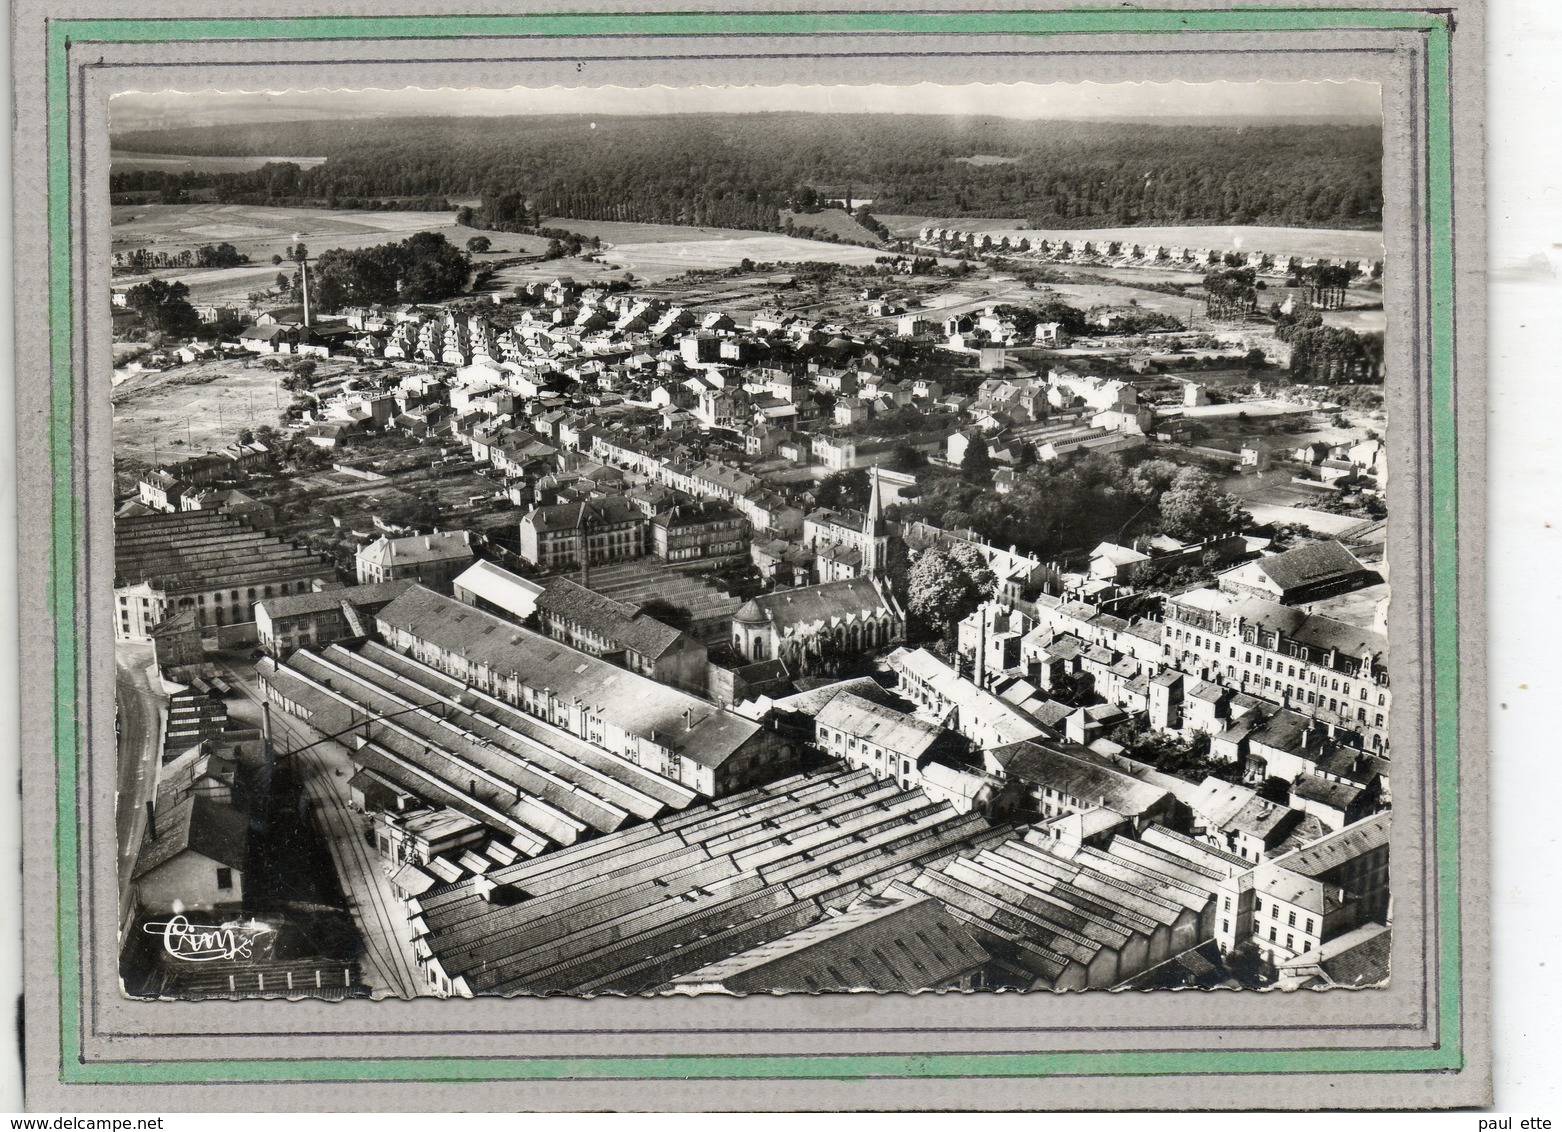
(441, 546)
(883, 726)
(886, 944)
(1295, 624)
(1314, 564)
(1081, 775)
(615, 621)
(201, 825)
(634, 910)
(318, 601)
(511, 592)
(609, 510)
(193, 551)
(829, 603)
(640, 706)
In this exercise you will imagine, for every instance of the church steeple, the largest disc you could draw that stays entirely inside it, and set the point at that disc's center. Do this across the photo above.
(875, 504)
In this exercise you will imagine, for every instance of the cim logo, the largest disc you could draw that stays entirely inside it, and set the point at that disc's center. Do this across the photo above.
(205, 943)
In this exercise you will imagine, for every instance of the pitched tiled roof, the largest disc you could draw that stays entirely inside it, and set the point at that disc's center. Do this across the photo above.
(1306, 628)
(1082, 776)
(1310, 565)
(1337, 794)
(893, 730)
(617, 621)
(832, 601)
(608, 511)
(1337, 848)
(1364, 965)
(441, 546)
(318, 601)
(201, 825)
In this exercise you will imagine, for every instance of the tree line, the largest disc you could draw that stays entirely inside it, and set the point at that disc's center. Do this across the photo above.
(1065, 506)
(424, 267)
(140, 260)
(1328, 355)
(725, 170)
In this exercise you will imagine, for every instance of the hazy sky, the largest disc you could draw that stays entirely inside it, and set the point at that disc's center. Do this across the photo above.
(1353, 101)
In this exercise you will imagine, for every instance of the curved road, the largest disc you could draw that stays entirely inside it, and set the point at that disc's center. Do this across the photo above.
(140, 718)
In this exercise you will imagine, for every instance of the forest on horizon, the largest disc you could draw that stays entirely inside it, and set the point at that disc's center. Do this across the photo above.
(741, 170)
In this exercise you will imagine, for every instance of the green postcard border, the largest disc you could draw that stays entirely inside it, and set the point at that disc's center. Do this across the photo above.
(65, 560)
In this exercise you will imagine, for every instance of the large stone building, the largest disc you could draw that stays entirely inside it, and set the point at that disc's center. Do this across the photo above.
(208, 563)
(321, 617)
(1297, 904)
(567, 535)
(430, 560)
(942, 694)
(1312, 664)
(683, 737)
(806, 627)
(850, 544)
(617, 631)
(888, 743)
(710, 531)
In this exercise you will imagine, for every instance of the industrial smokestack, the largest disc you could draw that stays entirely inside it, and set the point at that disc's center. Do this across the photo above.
(151, 819)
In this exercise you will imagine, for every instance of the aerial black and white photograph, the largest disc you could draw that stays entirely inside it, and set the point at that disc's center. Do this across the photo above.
(750, 540)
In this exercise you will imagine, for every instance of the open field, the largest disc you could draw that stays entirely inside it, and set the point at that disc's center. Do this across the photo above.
(187, 410)
(121, 159)
(1088, 295)
(664, 259)
(655, 252)
(260, 232)
(833, 220)
(1335, 243)
(1323, 522)
(627, 232)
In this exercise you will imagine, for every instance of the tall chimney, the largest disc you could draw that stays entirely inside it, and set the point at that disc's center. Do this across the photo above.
(303, 273)
(981, 648)
(151, 819)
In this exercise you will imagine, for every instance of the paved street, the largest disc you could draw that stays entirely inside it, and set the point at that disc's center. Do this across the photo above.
(140, 731)
(389, 963)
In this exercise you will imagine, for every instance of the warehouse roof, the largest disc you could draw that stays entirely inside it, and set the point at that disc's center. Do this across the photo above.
(512, 593)
(691, 726)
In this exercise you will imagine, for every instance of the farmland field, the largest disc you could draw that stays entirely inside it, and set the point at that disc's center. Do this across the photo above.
(121, 159)
(261, 232)
(1336, 243)
(666, 258)
(626, 232)
(833, 220)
